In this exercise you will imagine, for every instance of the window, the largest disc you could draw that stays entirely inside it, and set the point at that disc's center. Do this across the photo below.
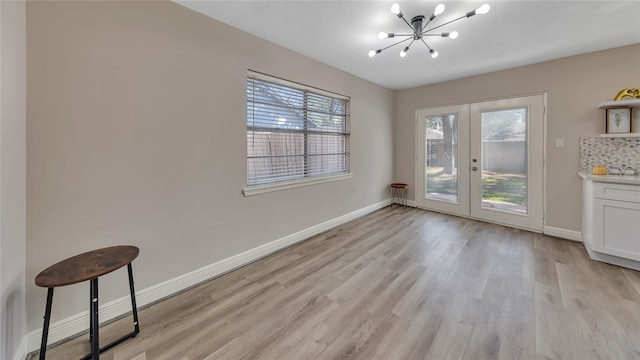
(294, 132)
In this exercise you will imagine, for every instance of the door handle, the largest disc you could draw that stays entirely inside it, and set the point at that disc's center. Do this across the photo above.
(474, 168)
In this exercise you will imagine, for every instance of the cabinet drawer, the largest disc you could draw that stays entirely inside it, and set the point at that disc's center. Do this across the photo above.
(620, 192)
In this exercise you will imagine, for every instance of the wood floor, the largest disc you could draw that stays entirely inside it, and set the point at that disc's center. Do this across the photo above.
(400, 283)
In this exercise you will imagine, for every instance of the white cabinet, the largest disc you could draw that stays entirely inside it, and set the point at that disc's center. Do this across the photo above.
(611, 221)
(616, 226)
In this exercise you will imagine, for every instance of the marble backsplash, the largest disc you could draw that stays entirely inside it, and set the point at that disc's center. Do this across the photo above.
(610, 152)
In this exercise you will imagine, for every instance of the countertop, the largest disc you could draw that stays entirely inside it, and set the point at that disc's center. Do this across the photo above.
(615, 179)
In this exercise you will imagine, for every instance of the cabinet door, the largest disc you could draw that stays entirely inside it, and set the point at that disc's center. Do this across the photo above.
(617, 228)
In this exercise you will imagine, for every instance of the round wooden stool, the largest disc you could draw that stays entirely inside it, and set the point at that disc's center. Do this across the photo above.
(399, 192)
(89, 267)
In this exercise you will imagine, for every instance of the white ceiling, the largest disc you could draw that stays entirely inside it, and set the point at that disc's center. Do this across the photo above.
(513, 33)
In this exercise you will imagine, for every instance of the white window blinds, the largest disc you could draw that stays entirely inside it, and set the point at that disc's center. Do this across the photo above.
(294, 131)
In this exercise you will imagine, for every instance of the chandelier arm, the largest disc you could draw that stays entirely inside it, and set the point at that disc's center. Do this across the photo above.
(406, 22)
(394, 44)
(425, 43)
(447, 23)
(425, 26)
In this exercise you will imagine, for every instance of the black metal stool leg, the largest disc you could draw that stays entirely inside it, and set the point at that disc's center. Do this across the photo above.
(95, 345)
(45, 326)
(394, 194)
(134, 307)
(90, 318)
(94, 323)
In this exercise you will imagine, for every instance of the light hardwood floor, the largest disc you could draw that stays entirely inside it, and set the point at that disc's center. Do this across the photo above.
(400, 283)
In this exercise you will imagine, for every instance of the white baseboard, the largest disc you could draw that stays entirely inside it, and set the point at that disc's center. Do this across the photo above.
(78, 323)
(21, 353)
(563, 233)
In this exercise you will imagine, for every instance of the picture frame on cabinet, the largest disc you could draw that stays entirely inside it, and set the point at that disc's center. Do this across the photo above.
(619, 120)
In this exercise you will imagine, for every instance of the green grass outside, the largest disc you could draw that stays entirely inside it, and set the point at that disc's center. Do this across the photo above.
(511, 188)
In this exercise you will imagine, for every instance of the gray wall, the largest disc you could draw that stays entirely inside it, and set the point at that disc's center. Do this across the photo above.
(575, 86)
(137, 135)
(13, 157)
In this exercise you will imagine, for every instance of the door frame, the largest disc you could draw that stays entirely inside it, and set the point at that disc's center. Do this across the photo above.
(544, 154)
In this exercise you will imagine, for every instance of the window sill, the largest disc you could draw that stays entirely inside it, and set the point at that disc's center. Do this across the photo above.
(267, 188)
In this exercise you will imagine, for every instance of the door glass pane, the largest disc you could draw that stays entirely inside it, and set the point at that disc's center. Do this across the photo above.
(441, 157)
(504, 160)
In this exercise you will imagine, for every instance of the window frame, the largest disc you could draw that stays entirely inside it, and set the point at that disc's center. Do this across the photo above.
(305, 180)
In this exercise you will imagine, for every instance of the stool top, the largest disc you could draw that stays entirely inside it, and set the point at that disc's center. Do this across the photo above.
(399, 185)
(87, 266)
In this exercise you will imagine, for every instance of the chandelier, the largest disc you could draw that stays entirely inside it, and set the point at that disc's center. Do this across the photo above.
(418, 26)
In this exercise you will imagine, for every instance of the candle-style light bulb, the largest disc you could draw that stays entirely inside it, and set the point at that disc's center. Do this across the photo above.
(483, 9)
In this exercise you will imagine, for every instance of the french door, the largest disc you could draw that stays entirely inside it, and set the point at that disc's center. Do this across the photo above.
(484, 160)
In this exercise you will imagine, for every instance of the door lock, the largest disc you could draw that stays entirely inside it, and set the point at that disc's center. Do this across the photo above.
(474, 168)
